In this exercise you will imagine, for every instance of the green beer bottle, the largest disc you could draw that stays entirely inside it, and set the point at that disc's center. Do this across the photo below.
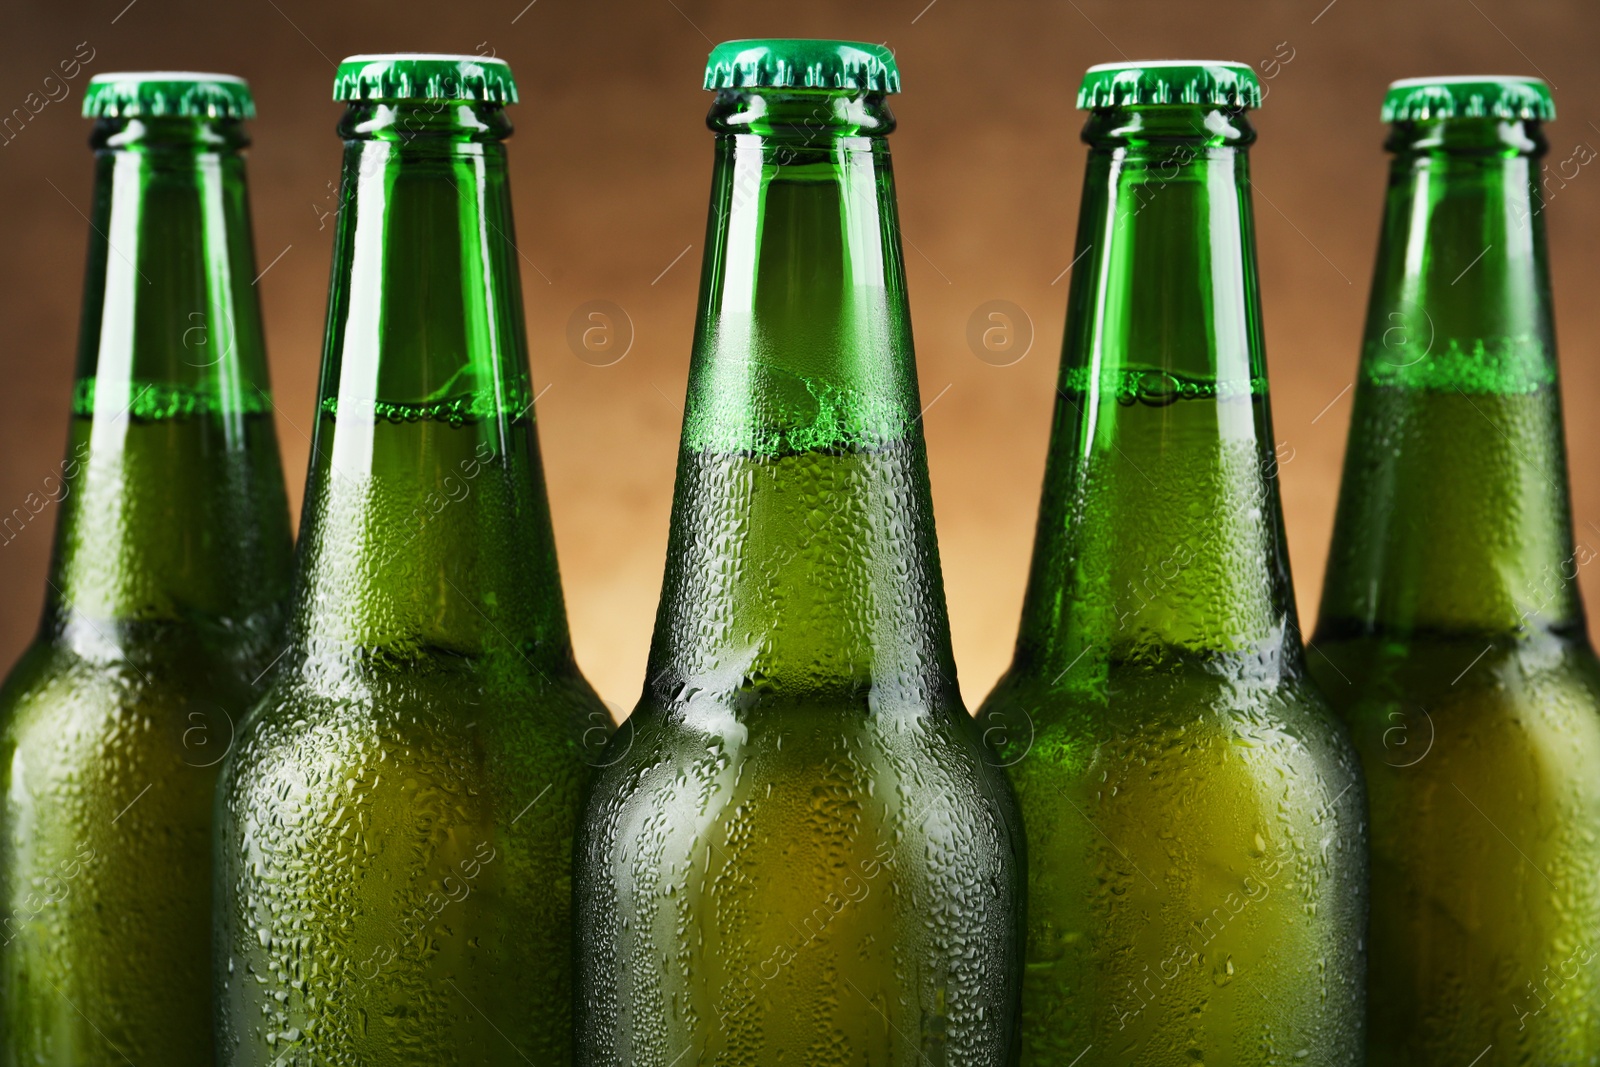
(796, 852)
(396, 819)
(165, 599)
(1451, 634)
(1194, 813)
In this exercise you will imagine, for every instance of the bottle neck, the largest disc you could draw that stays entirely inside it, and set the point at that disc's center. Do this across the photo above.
(1454, 515)
(171, 495)
(802, 561)
(426, 530)
(1160, 533)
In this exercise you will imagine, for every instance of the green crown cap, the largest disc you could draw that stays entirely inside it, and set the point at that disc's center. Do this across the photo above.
(425, 76)
(798, 63)
(1471, 96)
(1169, 81)
(167, 94)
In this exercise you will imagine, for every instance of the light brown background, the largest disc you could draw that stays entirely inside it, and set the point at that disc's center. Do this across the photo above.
(611, 164)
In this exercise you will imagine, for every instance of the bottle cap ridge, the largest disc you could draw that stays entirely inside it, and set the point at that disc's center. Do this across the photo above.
(1160, 82)
(1468, 96)
(167, 94)
(801, 63)
(425, 76)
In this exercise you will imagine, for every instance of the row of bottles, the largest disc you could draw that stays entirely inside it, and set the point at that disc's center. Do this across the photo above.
(351, 802)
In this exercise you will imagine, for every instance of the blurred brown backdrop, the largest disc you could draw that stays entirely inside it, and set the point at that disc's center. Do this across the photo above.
(611, 164)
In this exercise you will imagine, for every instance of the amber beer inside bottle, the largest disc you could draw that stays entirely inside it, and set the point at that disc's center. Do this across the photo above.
(798, 853)
(1451, 636)
(1195, 832)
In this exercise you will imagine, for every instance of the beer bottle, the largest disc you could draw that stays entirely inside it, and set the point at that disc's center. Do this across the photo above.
(797, 853)
(166, 587)
(396, 819)
(1194, 813)
(1451, 637)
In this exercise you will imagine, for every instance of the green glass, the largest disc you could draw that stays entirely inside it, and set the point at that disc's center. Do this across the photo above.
(797, 853)
(165, 598)
(1451, 636)
(1194, 812)
(396, 820)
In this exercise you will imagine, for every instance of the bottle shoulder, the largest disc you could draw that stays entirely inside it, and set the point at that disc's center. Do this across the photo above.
(70, 717)
(1508, 675)
(1180, 749)
(459, 725)
(1177, 689)
(803, 776)
(138, 667)
(793, 741)
(851, 713)
(295, 742)
(1188, 713)
(1511, 727)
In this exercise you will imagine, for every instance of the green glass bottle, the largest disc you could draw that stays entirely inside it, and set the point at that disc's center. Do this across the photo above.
(396, 820)
(1451, 637)
(797, 853)
(166, 591)
(1194, 813)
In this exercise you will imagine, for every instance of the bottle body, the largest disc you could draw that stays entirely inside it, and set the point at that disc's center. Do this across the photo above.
(167, 584)
(1460, 659)
(396, 821)
(1484, 864)
(867, 940)
(797, 851)
(1196, 881)
(825, 876)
